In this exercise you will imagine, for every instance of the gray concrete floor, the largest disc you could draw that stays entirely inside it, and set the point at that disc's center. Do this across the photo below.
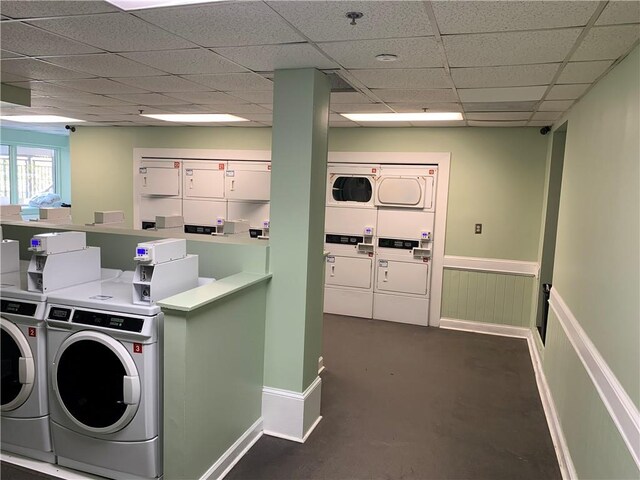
(406, 402)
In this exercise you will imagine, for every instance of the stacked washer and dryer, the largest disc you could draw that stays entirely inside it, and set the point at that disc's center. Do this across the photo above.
(379, 228)
(59, 260)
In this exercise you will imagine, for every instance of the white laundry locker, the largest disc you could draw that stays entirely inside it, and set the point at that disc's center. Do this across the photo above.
(201, 216)
(159, 185)
(255, 212)
(248, 181)
(406, 186)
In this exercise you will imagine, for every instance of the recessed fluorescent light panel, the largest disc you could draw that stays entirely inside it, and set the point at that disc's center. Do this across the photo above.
(404, 117)
(196, 117)
(39, 119)
(143, 4)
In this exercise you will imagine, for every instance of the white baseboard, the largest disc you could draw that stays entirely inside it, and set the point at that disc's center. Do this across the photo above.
(488, 328)
(623, 411)
(235, 452)
(557, 436)
(291, 415)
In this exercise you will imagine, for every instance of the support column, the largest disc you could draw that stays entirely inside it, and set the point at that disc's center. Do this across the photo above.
(291, 397)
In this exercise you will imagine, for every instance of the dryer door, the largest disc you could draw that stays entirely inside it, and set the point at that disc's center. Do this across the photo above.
(96, 382)
(18, 367)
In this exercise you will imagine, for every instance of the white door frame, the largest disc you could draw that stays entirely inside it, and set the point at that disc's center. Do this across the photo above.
(443, 160)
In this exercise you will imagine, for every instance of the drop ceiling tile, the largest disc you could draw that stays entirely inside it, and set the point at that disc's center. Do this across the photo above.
(95, 110)
(38, 70)
(326, 21)
(104, 65)
(147, 99)
(241, 108)
(255, 97)
(83, 99)
(8, 54)
(620, 12)
(411, 52)
(548, 116)
(115, 32)
(208, 98)
(499, 116)
(567, 92)
(555, 105)
(164, 84)
(501, 16)
(509, 48)
(258, 117)
(607, 43)
(185, 62)
(22, 38)
(53, 8)
(499, 106)
(268, 106)
(415, 96)
(233, 82)
(6, 77)
(47, 89)
(539, 123)
(432, 124)
(134, 109)
(360, 108)
(420, 107)
(476, 123)
(504, 94)
(403, 79)
(224, 24)
(583, 72)
(100, 86)
(506, 76)
(271, 57)
(348, 97)
(346, 124)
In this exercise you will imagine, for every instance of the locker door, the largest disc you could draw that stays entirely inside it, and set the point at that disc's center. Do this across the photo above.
(348, 271)
(159, 181)
(203, 183)
(248, 181)
(203, 212)
(402, 277)
(255, 212)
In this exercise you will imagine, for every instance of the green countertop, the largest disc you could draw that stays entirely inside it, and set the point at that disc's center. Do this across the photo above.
(198, 297)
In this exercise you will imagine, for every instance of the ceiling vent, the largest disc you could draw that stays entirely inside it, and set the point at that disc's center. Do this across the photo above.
(339, 84)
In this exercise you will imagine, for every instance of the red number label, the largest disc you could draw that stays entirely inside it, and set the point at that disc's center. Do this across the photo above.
(431, 172)
(137, 348)
(176, 164)
(374, 170)
(32, 332)
(268, 167)
(221, 166)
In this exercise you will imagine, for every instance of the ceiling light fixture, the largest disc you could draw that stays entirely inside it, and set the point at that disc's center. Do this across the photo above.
(39, 119)
(404, 117)
(144, 4)
(195, 117)
(386, 57)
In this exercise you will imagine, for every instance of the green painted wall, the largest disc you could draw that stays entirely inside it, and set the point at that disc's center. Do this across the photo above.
(14, 136)
(497, 174)
(487, 297)
(597, 251)
(213, 371)
(597, 449)
(596, 267)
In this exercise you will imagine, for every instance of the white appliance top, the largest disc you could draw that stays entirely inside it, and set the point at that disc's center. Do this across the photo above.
(114, 295)
(14, 285)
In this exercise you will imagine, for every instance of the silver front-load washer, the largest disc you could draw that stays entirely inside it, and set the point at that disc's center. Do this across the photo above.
(104, 382)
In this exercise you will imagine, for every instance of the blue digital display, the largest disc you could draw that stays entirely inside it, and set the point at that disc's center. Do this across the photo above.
(141, 251)
(35, 243)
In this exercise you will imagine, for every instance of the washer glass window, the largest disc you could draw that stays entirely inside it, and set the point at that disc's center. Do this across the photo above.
(352, 189)
(90, 379)
(11, 354)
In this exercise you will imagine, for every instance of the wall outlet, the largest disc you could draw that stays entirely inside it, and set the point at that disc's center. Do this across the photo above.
(478, 228)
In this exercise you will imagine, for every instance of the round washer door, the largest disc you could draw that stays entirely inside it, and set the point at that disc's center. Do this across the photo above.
(18, 367)
(96, 382)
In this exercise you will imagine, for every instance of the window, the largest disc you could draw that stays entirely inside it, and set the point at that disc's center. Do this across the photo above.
(352, 189)
(26, 171)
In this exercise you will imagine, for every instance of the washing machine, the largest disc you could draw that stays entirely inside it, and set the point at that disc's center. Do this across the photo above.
(25, 408)
(104, 382)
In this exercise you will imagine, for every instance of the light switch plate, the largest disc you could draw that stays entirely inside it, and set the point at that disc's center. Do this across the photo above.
(478, 228)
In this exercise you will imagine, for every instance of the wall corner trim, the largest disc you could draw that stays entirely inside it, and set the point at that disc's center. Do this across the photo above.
(563, 455)
(235, 452)
(623, 411)
(496, 265)
(291, 415)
